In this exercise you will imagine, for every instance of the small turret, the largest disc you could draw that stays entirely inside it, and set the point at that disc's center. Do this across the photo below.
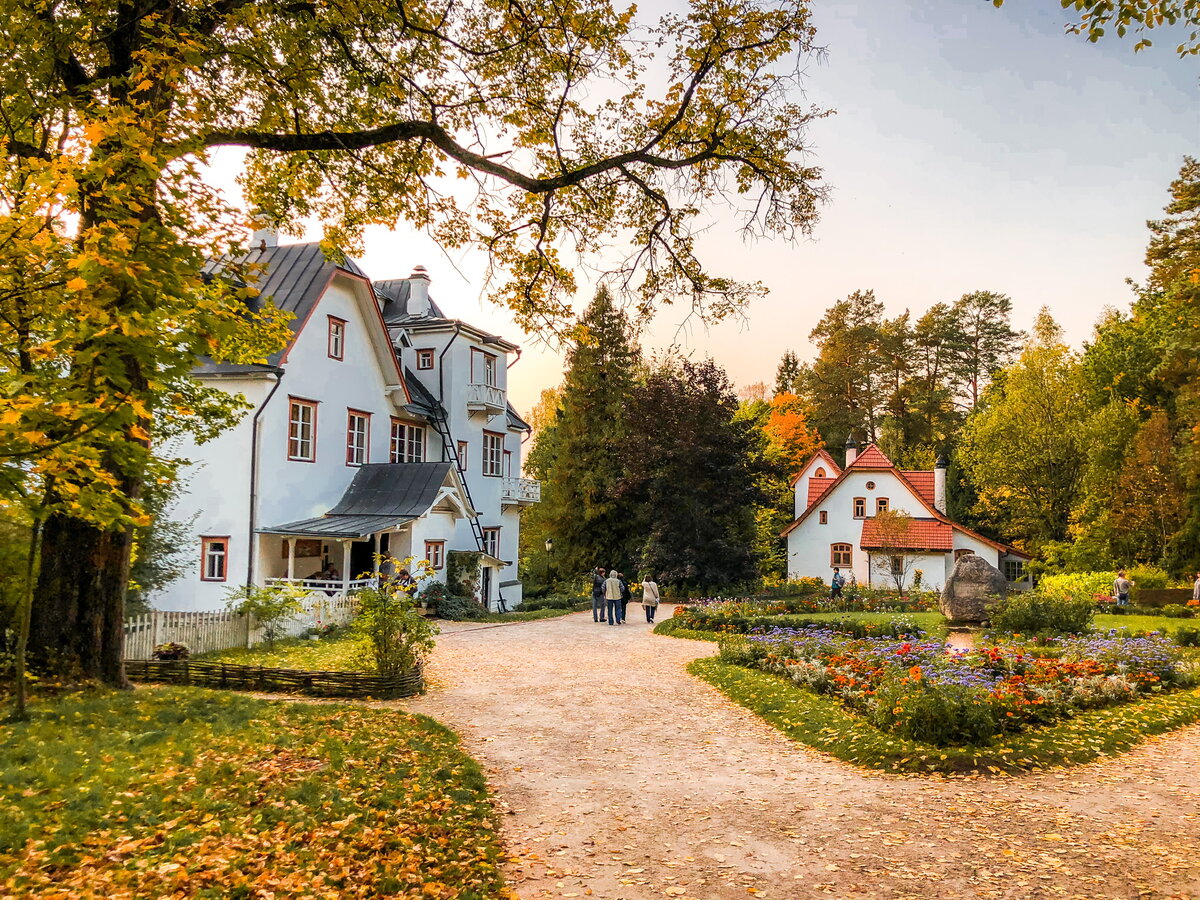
(418, 292)
(939, 483)
(851, 451)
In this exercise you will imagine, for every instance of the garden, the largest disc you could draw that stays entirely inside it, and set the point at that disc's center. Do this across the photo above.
(1049, 683)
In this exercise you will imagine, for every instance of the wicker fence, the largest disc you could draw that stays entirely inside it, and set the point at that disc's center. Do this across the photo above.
(208, 632)
(287, 681)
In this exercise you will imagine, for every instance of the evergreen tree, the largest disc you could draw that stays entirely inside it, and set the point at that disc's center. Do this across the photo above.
(576, 458)
(690, 484)
(985, 341)
(787, 373)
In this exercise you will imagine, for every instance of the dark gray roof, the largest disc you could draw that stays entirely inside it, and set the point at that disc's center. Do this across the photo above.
(395, 292)
(514, 420)
(293, 276)
(392, 489)
(380, 496)
(423, 401)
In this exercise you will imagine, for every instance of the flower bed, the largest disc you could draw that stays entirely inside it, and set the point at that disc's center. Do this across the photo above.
(753, 616)
(923, 691)
(855, 600)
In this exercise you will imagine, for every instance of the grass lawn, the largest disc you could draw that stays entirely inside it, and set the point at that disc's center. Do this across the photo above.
(175, 792)
(1144, 623)
(824, 724)
(338, 654)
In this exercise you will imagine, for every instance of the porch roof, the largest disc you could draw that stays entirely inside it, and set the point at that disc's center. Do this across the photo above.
(330, 526)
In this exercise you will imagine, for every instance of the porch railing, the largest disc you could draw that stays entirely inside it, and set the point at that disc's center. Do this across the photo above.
(326, 586)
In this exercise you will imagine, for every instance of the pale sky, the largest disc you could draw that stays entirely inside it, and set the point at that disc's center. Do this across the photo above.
(974, 148)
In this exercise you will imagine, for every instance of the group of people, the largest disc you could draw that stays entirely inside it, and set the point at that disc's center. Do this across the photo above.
(611, 594)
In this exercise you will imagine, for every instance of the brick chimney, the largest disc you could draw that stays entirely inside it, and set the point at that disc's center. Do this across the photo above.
(939, 483)
(851, 451)
(418, 292)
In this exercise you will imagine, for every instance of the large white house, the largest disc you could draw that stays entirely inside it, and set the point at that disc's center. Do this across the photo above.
(835, 524)
(382, 428)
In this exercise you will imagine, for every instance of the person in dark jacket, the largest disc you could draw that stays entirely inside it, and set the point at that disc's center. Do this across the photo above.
(626, 595)
(598, 595)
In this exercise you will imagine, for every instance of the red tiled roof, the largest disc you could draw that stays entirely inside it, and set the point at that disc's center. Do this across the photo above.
(817, 488)
(820, 454)
(923, 482)
(921, 534)
(872, 458)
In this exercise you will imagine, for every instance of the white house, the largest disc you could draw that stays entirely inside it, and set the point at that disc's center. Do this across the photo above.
(383, 427)
(835, 523)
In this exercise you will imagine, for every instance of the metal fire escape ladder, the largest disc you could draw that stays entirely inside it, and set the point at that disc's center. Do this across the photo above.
(450, 454)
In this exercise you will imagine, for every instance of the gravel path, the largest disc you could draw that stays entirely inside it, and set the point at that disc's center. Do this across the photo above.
(623, 777)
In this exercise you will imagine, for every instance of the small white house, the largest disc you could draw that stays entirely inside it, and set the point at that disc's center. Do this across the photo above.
(347, 453)
(835, 524)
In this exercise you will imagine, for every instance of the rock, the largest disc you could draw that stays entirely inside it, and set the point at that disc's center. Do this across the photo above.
(972, 589)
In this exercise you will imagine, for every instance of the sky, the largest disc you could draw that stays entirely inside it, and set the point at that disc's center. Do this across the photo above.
(973, 148)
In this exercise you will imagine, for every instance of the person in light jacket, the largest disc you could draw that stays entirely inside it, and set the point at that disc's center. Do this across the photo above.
(650, 597)
(1196, 590)
(612, 593)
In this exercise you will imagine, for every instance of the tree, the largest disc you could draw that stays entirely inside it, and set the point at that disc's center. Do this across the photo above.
(792, 439)
(577, 456)
(895, 559)
(1141, 15)
(983, 343)
(358, 115)
(1022, 449)
(787, 373)
(689, 485)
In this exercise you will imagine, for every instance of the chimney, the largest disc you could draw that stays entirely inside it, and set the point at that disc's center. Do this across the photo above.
(264, 235)
(939, 483)
(418, 292)
(851, 451)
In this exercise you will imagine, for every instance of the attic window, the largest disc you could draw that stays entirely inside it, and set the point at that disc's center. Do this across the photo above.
(823, 517)
(820, 473)
(337, 338)
(424, 359)
(870, 485)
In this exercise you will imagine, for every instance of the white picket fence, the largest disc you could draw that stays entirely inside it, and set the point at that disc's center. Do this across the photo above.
(206, 632)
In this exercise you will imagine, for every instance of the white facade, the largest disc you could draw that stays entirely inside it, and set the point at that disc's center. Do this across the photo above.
(257, 496)
(829, 530)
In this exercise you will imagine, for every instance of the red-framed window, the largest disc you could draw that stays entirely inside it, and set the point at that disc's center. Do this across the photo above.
(424, 359)
(491, 542)
(484, 368)
(358, 437)
(493, 454)
(435, 553)
(823, 517)
(881, 504)
(302, 430)
(860, 507)
(214, 558)
(462, 454)
(336, 346)
(841, 556)
(407, 442)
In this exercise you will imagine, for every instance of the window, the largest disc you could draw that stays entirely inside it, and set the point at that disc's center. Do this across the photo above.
(493, 446)
(897, 567)
(959, 554)
(337, 338)
(860, 507)
(507, 463)
(302, 430)
(407, 442)
(358, 436)
(483, 368)
(462, 455)
(424, 359)
(870, 485)
(820, 473)
(840, 555)
(881, 504)
(823, 517)
(1014, 570)
(491, 542)
(435, 553)
(214, 558)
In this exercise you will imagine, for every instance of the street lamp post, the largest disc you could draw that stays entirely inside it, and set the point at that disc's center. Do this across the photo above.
(549, 561)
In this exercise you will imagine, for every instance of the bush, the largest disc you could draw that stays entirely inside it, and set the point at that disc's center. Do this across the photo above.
(1149, 578)
(749, 618)
(552, 601)
(397, 637)
(270, 606)
(1187, 636)
(1176, 611)
(942, 715)
(1043, 612)
(171, 650)
(457, 609)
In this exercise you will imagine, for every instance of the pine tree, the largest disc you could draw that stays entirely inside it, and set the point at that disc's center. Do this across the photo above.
(787, 373)
(577, 458)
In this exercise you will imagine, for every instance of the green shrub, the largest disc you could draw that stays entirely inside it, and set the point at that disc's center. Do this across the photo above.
(1078, 584)
(397, 637)
(552, 601)
(457, 609)
(942, 715)
(1177, 611)
(1043, 612)
(1150, 578)
(1187, 636)
(270, 606)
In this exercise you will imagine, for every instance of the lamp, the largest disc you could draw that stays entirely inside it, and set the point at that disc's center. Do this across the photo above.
(549, 545)
(549, 560)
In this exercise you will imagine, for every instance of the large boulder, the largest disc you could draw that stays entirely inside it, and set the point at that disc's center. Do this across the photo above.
(972, 589)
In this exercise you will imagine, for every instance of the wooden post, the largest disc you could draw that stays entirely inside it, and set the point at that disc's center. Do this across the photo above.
(249, 625)
(375, 554)
(154, 614)
(346, 567)
(291, 542)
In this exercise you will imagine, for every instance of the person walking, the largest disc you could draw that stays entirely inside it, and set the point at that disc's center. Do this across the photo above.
(1196, 590)
(650, 597)
(835, 585)
(612, 594)
(1122, 588)
(598, 594)
(626, 596)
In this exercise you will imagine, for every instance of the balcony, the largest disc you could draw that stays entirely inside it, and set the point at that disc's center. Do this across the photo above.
(520, 491)
(486, 399)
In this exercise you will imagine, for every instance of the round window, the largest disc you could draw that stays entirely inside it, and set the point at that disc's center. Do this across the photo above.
(870, 485)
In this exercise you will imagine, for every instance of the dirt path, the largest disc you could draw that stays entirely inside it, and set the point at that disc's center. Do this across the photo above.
(623, 777)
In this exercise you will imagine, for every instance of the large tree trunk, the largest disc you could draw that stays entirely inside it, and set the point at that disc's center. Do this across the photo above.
(78, 618)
